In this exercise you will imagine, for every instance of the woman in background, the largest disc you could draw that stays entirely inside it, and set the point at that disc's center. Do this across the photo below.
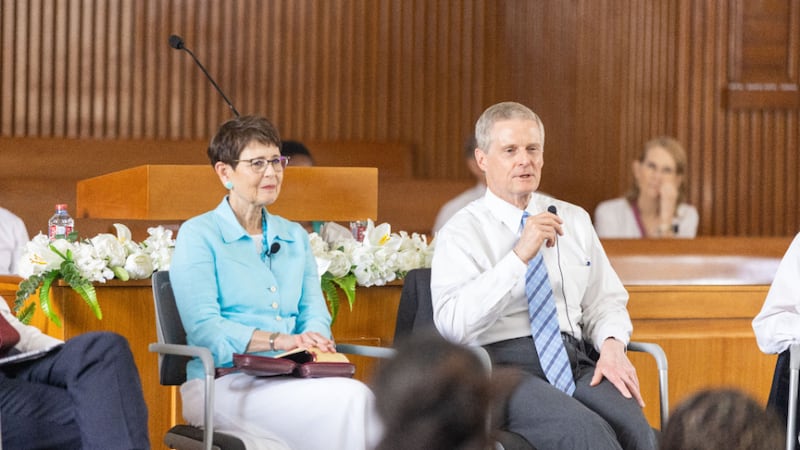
(246, 281)
(655, 206)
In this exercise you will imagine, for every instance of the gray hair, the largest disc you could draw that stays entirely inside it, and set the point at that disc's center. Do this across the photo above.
(498, 112)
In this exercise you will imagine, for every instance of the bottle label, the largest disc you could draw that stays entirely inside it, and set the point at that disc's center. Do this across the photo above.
(59, 231)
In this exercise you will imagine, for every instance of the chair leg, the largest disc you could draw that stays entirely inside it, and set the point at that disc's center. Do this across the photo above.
(658, 354)
(794, 378)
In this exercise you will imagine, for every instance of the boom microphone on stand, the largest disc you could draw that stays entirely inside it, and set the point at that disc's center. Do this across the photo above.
(177, 43)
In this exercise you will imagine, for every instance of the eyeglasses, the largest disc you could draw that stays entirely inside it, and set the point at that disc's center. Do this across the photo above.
(259, 165)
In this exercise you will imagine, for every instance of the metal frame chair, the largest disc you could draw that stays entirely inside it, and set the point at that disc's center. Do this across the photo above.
(415, 312)
(794, 380)
(174, 353)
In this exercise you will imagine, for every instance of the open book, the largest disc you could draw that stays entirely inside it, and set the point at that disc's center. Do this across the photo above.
(300, 362)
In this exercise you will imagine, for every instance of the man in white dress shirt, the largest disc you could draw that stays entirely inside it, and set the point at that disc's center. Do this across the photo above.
(13, 237)
(777, 325)
(478, 288)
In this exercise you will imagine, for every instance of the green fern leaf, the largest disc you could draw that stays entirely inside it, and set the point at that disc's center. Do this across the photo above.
(44, 297)
(87, 292)
(348, 285)
(331, 295)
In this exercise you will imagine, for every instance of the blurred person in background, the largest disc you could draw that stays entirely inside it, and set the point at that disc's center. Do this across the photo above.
(474, 193)
(13, 237)
(655, 206)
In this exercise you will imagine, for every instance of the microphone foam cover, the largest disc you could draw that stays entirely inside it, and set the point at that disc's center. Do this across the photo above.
(176, 42)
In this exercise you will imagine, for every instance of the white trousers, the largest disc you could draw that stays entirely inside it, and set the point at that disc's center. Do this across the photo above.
(289, 413)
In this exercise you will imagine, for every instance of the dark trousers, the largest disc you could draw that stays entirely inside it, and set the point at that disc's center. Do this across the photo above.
(779, 392)
(85, 395)
(594, 418)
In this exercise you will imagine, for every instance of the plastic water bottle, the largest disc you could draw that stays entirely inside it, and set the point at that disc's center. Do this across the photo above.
(61, 224)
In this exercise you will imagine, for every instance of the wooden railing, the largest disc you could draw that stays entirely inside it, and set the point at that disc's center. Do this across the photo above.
(697, 299)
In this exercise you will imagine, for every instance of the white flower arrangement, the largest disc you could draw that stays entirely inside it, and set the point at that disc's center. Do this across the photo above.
(343, 262)
(81, 263)
(380, 258)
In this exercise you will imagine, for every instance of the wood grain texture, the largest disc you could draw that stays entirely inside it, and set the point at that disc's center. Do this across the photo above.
(604, 75)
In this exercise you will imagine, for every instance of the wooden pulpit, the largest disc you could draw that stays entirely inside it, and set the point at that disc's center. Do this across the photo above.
(178, 192)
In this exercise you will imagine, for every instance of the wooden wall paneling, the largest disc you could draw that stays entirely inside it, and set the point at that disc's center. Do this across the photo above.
(628, 148)
(134, 127)
(755, 183)
(713, 57)
(742, 183)
(427, 86)
(779, 180)
(694, 20)
(16, 46)
(125, 85)
(20, 64)
(792, 169)
(419, 72)
(680, 111)
(382, 55)
(6, 60)
(33, 83)
(770, 221)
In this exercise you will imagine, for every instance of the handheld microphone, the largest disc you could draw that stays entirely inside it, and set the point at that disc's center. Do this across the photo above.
(273, 249)
(177, 43)
(552, 209)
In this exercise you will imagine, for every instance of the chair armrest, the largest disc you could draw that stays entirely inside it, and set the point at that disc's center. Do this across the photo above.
(654, 349)
(483, 356)
(658, 354)
(187, 350)
(366, 350)
(208, 367)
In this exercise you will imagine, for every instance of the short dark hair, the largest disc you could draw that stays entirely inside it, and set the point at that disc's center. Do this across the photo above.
(291, 148)
(469, 146)
(722, 418)
(433, 394)
(236, 134)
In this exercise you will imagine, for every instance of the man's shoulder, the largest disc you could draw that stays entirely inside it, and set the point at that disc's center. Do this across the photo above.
(563, 208)
(467, 196)
(466, 218)
(614, 203)
(9, 217)
(472, 211)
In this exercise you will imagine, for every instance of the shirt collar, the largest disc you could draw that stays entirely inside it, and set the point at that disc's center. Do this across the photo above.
(510, 215)
(505, 212)
(232, 230)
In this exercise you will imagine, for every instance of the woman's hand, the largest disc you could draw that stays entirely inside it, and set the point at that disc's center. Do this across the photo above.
(314, 339)
(668, 198)
(285, 342)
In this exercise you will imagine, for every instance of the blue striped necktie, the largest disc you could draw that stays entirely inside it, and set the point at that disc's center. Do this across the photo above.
(544, 324)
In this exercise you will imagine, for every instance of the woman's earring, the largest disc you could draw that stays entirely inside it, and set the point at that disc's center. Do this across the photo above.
(228, 185)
